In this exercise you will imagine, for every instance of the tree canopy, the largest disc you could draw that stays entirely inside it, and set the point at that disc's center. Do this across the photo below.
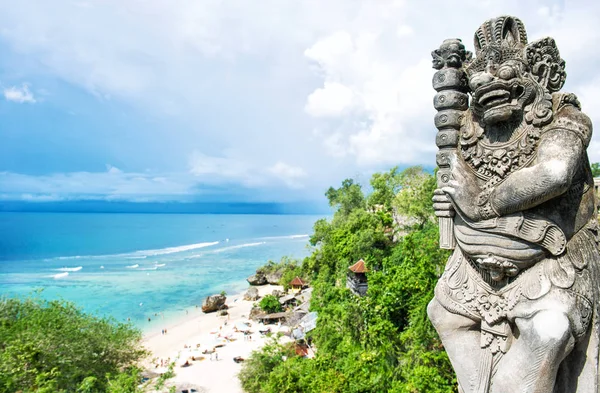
(382, 342)
(54, 347)
(596, 169)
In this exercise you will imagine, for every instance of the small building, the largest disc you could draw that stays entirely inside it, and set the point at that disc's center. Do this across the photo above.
(274, 318)
(297, 284)
(356, 280)
(288, 301)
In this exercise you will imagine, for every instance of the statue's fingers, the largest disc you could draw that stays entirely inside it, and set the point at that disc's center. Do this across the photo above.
(444, 213)
(449, 191)
(440, 198)
(438, 191)
(442, 206)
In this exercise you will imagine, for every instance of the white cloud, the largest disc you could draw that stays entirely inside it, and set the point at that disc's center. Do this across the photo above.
(111, 185)
(290, 175)
(404, 31)
(217, 170)
(19, 94)
(247, 87)
(334, 99)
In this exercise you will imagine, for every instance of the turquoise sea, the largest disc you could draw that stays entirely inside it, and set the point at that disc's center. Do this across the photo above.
(138, 265)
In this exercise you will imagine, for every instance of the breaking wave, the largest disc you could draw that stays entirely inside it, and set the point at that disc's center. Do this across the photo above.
(141, 254)
(70, 269)
(286, 237)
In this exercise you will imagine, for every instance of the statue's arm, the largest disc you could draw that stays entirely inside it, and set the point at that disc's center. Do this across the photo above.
(560, 153)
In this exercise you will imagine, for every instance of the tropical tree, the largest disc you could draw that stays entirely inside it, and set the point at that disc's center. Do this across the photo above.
(53, 346)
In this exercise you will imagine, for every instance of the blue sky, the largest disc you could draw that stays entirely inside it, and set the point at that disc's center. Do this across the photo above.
(262, 101)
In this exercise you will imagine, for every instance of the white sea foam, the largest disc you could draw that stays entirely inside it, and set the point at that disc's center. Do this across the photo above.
(236, 247)
(149, 268)
(286, 237)
(141, 254)
(160, 264)
(70, 269)
(60, 275)
(172, 250)
(133, 266)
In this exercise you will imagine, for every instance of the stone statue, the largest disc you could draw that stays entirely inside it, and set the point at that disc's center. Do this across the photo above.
(517, 305)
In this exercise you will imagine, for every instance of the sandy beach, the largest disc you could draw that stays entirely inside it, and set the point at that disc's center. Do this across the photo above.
(216, 373)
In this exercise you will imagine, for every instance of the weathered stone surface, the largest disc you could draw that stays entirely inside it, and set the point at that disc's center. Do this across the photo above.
(516, 307)
(251, 294)
(274, 277)
(277, 293)
(257, 279)
(255, 312)
(213, 303)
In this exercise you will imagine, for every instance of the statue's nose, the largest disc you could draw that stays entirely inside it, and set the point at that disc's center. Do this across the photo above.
(479, 80)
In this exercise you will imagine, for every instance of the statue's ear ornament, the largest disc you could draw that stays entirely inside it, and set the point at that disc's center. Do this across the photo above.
(545, 63)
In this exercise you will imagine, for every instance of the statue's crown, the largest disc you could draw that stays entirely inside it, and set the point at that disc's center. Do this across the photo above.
(504, 38)
(497, 40)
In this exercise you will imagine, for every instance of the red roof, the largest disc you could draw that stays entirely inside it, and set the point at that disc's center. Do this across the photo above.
(359, 267)
(297, 282)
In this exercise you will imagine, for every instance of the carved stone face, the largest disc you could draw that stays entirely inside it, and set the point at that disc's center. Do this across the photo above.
(501, 91)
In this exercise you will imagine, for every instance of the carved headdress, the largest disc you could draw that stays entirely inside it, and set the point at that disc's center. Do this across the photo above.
(504, 38)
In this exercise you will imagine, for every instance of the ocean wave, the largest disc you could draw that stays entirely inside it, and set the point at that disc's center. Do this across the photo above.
(160, 265)
(149, 268)
(219, 250)
(286, 237)
(238, 246)
(141, 254)
(172, 250)
(60, 275)
(70, 257)
(70, 269)
(133, 266)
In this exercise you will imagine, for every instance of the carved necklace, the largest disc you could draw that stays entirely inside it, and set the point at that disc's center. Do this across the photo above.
(493, 162)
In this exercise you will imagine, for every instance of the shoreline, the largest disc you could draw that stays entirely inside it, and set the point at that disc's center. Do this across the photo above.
(171, 319)
(197, 332)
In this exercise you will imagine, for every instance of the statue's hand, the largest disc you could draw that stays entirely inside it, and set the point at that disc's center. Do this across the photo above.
(441, 204)
(463, 199)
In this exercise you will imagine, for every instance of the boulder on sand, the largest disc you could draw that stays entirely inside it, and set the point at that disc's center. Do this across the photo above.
(256, 312)
(213, 303)
(274, 277)
(257, 279)
(277, 293)
(252, 294)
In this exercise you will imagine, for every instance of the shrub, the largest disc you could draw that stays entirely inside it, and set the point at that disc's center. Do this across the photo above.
(270, 304)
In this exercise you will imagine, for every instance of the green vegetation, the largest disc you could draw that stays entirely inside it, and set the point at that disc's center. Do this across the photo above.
(382, 342)
(288, 268)
(270, 304)
(596, 169)
(54, 347)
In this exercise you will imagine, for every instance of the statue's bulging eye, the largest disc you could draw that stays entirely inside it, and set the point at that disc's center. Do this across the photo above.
(506, 72)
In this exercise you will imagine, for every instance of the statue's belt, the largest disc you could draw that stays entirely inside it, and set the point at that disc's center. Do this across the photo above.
(525, 226)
